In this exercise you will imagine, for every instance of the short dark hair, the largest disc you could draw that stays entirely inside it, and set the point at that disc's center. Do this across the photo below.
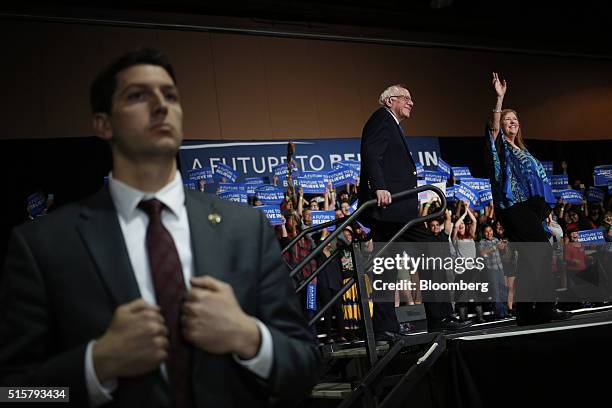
(104, 85)
(438, 220)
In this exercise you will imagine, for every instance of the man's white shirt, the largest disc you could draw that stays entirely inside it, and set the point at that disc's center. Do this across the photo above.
(134, 222)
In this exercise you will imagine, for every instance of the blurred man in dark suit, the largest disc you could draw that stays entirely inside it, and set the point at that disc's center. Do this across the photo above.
(147, 294)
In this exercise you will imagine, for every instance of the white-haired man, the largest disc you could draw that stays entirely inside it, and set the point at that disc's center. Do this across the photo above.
(387, 167)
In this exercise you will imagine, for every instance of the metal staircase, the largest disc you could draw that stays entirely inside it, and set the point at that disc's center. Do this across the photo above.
(364, 369)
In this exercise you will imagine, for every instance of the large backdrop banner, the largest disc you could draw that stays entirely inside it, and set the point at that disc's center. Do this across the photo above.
(257, 159)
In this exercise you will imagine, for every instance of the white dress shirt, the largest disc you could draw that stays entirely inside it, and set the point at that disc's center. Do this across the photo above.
(393, 114)
(134, 222)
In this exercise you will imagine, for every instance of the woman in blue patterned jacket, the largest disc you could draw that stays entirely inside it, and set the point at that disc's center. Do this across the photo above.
(521, 195)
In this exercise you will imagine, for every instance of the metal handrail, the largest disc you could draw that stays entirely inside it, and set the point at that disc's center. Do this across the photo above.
(310, 230)
(353, 216)
(316, 272)
(376, 367)
(348, 220)
(371, 376)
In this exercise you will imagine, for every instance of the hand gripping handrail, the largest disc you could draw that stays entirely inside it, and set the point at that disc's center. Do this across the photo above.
(348, 220)
(367, 204)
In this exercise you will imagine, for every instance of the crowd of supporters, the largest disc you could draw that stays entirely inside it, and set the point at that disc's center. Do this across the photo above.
(468, 232)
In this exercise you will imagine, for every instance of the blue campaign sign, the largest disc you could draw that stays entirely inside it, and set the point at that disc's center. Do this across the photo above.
(434, 177)
(223, 187)
(320, 217)
(558, 183)
(559, 180)
(313, 183)
(467, 194)
(450, 193)
(461, 172)
(595, 195)
(593, 236)
(485, 196)
(273, 214)
(548, 167)
(268, 194)
(205, 173)
(236, 196)
(354, 206)
(353, 164)
(444, 167)
(571, 196)
(342, 176)
(37, 203)
(224, 171)
(477, 183)
(419, 169)
(601, 180)
(313, 175)
(282, 170)
(253, 182)
(602, 175)
(250, 189)
(256, 180)
(250, 159)
(604, 170)
(311, 296)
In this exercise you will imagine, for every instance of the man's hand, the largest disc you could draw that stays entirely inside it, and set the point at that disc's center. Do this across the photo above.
(383, 197)
(214, 322)
(135, 342)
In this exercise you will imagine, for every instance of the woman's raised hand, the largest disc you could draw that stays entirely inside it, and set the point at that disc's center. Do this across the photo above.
(499, 85)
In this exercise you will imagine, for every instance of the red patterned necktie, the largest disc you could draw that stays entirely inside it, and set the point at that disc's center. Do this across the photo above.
(167, 274)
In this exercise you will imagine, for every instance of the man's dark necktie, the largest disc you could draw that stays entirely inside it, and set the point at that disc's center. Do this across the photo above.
(169, 283)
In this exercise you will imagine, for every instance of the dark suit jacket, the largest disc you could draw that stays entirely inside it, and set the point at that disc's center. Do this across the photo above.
(386, 164)
(67, 272)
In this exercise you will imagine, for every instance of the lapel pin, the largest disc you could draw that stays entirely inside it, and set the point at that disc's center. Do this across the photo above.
(214, 218)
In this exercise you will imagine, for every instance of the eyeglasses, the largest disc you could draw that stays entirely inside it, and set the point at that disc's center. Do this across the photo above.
(406, 98)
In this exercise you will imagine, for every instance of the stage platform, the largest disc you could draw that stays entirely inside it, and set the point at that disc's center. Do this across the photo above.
(499, 364)
(563, 363)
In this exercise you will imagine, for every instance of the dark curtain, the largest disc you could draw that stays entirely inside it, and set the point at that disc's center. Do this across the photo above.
(70, 168)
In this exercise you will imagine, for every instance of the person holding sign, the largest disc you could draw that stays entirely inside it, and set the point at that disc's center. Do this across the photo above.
(522, 193)
(464, 246)
(607, 225)
(147, 294)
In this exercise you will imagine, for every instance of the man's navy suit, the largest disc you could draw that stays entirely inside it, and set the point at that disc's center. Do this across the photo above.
(387, 164)
(67, 272)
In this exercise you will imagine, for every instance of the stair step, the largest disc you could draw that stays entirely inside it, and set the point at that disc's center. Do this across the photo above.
(331, 390)
(353, 352)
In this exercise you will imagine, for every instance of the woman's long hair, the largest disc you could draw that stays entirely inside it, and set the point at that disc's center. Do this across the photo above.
(468, 233)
